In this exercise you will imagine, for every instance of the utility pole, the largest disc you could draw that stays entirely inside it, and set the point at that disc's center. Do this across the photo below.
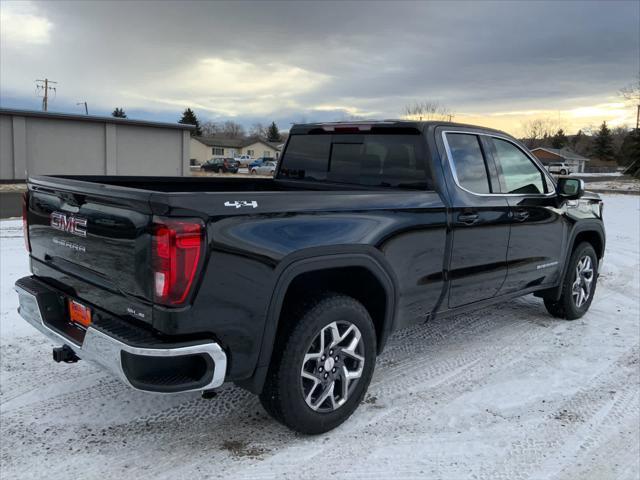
(44, 85)
(86, 110)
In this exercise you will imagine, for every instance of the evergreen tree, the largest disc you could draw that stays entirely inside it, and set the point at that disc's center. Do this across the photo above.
(118, 113)
(630, 148)
(559, 140)
(189, 118)
(577, 138)
(273, 134)
(603, 143)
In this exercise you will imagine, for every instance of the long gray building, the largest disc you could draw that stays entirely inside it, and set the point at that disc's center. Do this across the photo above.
(41, 143)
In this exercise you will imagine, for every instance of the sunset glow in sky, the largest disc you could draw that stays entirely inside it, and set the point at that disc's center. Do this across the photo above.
(498, 64)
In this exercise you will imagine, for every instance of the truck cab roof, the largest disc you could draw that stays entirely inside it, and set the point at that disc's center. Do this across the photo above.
(369, 125)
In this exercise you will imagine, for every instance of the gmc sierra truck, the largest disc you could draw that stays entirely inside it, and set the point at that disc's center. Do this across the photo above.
(290, 287)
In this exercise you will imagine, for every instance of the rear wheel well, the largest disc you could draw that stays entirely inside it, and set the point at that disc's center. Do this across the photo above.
(592, 237)
(357, 282)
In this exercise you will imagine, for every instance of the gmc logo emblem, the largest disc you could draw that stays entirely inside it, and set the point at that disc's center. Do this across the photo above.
(69, 223)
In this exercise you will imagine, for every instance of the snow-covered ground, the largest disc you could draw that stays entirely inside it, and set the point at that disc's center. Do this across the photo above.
(630, 185)
(503, 393)
(593, 174)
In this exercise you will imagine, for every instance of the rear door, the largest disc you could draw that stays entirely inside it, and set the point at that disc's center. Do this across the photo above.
(480, 220)
(537, 228)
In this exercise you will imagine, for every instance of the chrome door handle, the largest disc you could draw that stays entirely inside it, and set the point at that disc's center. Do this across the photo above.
(521, 215)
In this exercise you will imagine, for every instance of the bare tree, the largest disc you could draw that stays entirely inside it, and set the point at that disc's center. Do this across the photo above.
(590, 129)
(534, 131)
(631, 93)
(618, 134)
(540, 131)
(231, 129)
(209, 128)
(258, 130)
(582, 141)
(427, 110)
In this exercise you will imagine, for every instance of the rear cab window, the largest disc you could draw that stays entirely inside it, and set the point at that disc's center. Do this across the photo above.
(369, 159)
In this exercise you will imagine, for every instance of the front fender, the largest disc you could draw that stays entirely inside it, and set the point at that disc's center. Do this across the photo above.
(586, 225)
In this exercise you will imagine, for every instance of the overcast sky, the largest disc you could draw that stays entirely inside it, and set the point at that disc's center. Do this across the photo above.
(496, 63)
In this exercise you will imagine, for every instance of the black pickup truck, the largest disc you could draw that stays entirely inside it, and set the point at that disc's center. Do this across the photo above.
(290, 287)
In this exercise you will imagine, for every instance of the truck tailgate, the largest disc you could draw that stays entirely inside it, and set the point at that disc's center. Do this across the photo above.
(83, 234)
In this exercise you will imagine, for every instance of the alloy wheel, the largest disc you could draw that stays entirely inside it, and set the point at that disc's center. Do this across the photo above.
(581, 288)
(332, 366)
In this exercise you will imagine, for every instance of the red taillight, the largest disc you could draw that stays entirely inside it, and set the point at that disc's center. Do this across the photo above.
(25, 223)
(177, 248)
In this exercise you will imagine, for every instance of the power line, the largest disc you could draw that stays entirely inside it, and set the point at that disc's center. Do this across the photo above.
(45, 87)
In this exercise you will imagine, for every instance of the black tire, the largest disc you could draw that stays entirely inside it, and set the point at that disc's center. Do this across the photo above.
(566, 306)
(253, 172)
(563, 172)
(283, 395)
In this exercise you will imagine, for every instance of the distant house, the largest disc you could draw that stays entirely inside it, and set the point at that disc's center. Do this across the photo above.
(204, 148)
(564, 155)
(198, 152)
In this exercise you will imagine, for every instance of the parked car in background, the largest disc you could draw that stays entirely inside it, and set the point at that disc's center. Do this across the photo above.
(259, 161)
(266, 168)
(223, 165)
(243, 160)
(560, 168)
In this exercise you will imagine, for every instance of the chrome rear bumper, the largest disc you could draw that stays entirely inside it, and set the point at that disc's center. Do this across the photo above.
(106, 351)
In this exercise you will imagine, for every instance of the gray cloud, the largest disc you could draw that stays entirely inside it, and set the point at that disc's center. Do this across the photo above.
(477, 57)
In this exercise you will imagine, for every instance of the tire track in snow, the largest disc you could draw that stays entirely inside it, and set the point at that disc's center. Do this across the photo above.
(456, 398)
(574, 424)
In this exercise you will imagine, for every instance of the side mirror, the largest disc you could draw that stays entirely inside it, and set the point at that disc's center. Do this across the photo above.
(570, 188)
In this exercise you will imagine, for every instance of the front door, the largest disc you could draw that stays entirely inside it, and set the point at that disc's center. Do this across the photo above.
(480, 221)
(535, 243)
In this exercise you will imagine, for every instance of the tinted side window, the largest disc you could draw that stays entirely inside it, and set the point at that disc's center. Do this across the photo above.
(375, 159)
(469, 162)
(519, 173)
